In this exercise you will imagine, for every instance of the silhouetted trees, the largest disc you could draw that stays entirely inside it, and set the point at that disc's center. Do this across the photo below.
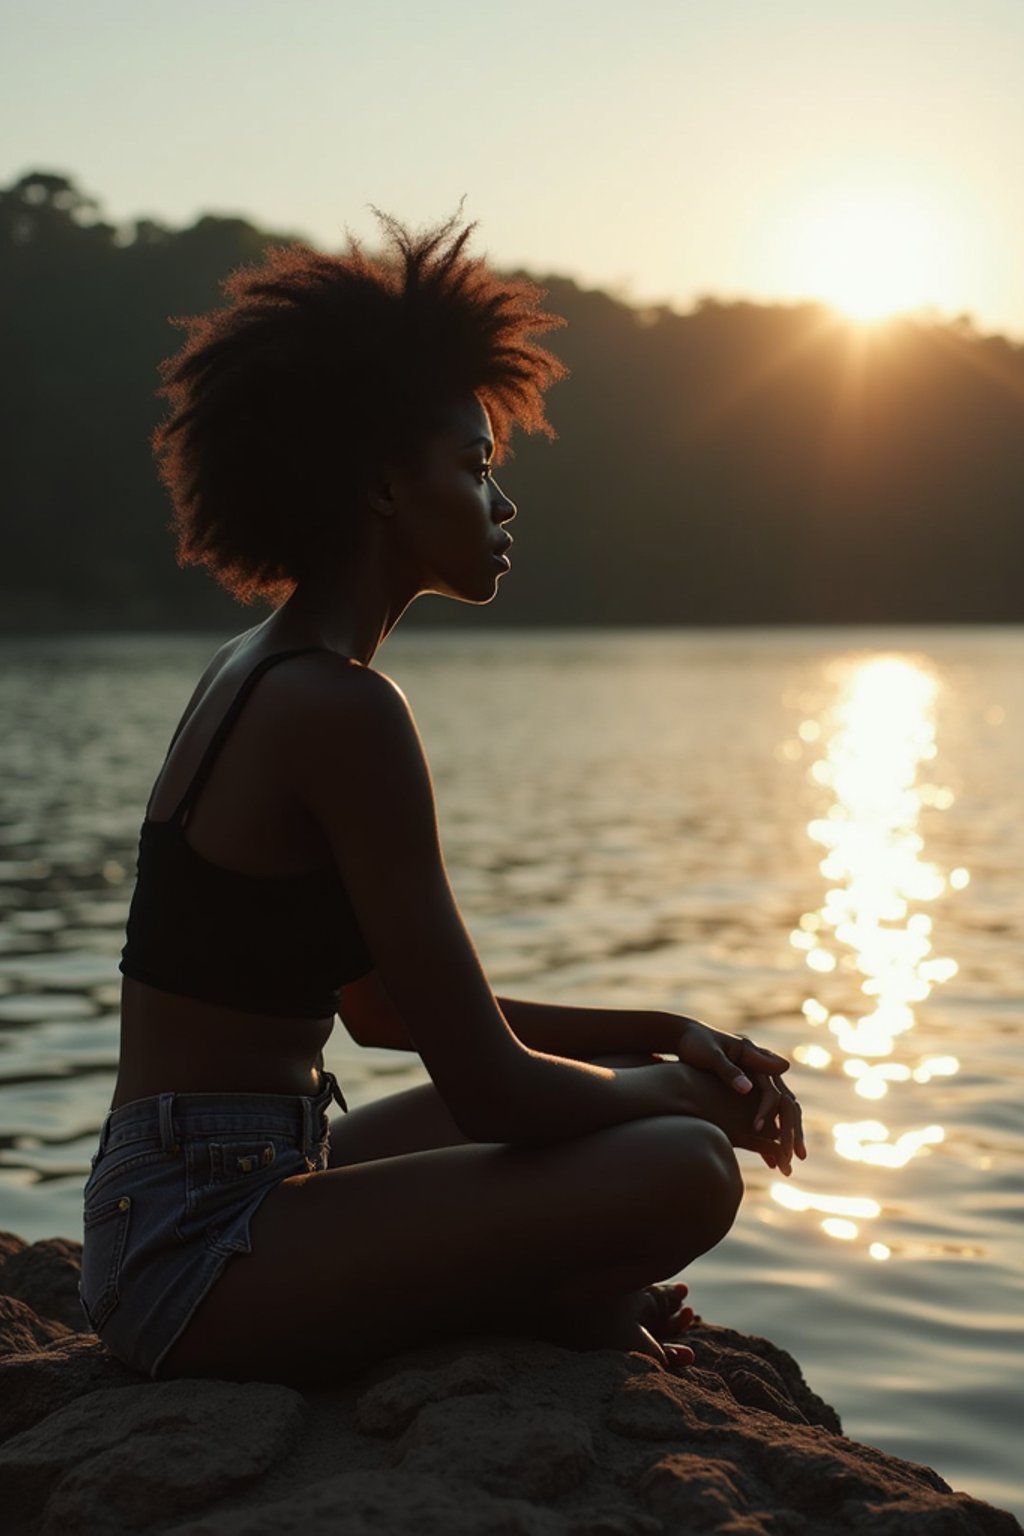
(741, 463)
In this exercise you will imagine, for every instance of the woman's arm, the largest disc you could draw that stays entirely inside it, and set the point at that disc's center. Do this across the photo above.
(372, 1019)
(370, 1016)
(575, 1032)
(556, 1029)
(359, 770)
(582, 1033)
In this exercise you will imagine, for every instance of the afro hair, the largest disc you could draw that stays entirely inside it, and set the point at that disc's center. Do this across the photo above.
(319, 368)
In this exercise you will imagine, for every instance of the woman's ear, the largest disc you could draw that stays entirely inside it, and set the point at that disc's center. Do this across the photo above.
(380, 494)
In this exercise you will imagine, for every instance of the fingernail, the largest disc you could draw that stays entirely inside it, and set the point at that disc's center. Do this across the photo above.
(758, 1123)
(742, 1084)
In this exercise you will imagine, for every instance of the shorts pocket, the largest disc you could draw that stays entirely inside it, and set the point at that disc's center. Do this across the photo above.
(234, 1160)
(227, 1178)
(103, 1247)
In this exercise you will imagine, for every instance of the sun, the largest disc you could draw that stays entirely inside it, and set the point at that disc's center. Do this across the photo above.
(873, 253)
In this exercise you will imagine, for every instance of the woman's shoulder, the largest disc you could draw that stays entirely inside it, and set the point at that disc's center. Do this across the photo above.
(305, 693)
(296, 668)
(325, 676)
(343, 734)
(320, 698)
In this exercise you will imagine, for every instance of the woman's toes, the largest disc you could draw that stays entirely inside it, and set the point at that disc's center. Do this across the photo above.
(667, 1313)
(657, 1309)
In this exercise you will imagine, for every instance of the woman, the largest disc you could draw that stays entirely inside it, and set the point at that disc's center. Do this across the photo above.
(330, 447)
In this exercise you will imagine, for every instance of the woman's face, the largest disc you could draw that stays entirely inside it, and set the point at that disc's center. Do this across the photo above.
(450, 511)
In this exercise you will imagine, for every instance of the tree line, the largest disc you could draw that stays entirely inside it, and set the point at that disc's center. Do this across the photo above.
(738, 464)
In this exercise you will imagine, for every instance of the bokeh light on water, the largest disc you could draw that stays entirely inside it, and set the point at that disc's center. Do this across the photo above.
(871, 937)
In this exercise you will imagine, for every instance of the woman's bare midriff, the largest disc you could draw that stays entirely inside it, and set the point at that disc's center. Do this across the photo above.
(172, 1044)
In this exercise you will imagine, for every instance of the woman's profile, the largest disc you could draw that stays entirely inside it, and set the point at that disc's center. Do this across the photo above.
(330, 447)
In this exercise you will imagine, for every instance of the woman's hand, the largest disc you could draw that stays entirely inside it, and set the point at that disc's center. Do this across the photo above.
(779, 1114)
(772, 1124)
(768, 1123)
(733, 1058)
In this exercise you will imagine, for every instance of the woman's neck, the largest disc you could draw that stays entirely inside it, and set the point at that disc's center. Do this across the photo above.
(351, 611)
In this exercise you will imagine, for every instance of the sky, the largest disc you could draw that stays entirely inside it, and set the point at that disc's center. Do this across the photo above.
(865, 152)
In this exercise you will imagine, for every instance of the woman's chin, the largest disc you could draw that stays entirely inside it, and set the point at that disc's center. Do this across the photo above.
(482, 598)
(478, 585)
(479, 593)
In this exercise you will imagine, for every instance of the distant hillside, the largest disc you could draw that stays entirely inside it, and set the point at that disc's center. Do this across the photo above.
(738, 464)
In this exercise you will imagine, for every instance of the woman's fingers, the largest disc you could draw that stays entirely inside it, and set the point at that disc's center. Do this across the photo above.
(733, 1058)
(755, 1058)
(756, 1063)
(776, 1118)
(795, 1118)
(791, 1126)
(782, 1136)
(768, 1102)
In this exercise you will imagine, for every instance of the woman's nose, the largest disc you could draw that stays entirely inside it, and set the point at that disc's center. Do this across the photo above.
(504, 510)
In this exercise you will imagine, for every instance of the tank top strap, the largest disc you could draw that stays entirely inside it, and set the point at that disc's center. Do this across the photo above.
(223, 730)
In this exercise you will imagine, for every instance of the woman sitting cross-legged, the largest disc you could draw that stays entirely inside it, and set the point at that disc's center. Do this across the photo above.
(330, 448)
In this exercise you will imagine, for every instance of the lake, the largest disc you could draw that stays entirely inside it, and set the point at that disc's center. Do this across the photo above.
(812, 837)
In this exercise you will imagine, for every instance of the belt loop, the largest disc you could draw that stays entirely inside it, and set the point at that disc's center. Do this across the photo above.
(307, 1125)
(167, 1141)
(105, 1130)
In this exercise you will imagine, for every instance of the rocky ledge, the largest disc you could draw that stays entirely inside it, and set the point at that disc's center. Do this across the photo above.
(479, 1437)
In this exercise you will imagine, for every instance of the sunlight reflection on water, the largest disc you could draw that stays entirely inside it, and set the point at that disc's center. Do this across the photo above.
(878, 737)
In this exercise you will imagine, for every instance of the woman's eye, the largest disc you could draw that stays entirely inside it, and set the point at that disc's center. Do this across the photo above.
(484, 471)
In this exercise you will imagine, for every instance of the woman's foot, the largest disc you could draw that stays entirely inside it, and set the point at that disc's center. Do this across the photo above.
(659, 1316)
(665, 1314)
(643, 1321)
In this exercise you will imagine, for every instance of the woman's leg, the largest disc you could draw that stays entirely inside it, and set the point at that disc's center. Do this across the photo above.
(413, 1120)
(417, 1119)
(359, 1261)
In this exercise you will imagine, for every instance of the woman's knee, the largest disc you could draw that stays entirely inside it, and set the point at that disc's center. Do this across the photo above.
(689, 1170)
(721, 1172)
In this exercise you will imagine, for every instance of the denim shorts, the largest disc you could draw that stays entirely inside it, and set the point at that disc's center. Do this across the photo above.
(175, 1183)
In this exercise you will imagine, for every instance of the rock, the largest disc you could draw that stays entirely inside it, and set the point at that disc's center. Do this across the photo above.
(368, 1503)
(121, 1460)
(22, 1330)
(37, 1383)
(704, 1491)
(391, 1405)
(10, 1245)
(763, 1376)
(486, 1436)
(45, 1275)
(809, 1481)
(699, 1493)
(501, 1447)
(645, 1408)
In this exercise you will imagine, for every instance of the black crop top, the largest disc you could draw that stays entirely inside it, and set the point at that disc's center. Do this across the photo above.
(280, 945)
